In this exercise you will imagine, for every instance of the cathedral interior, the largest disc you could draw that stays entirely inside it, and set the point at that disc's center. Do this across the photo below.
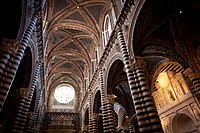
(100, 66)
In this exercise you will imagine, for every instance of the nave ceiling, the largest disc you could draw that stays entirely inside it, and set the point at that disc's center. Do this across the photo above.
(73, 30)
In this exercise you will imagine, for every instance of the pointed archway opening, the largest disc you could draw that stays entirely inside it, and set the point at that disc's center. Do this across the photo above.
(98, 109)
(117, 85)
(86, 121)
(183, 124)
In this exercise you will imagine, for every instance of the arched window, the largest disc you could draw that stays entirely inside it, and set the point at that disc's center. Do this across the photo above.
(64, 94)
(107, 29)
(64, 98)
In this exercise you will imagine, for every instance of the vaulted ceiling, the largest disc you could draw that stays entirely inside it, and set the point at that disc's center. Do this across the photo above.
(168, 29)
(73, 30)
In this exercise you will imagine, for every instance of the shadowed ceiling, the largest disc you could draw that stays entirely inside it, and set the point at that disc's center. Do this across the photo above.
(10, 18)
(73, 30)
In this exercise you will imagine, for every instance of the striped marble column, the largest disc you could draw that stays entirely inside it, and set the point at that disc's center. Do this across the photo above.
(131, 129)
(30, 95)
(37, 110)
(8, 47)
(35, 114)
(90, 111)
(34, 83)
(108, 114)
(35, 123)
(40, 117)
(195, 80)
(150, 111)
(12, 66)
(40, 49)
(19, 112)
(139, 94)
(94, 122)
(30, 125)
(84, 129)
(23, 103)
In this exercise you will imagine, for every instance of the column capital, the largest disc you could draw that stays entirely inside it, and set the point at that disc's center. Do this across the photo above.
(190, 73)
(10, 45)
(22, 92)
(30, 114)
(109, 99)
(84, 128)
(118, 28)
(137, 61)
(95, 116)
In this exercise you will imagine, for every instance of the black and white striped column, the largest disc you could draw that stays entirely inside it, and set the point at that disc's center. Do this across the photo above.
(131, 129)
(37, 110)
(94, 123)
(30, 125)
(34, 83)
(30, 94)
(19, 112)
(90, 111)
(195, 80)
(8, 47)
(12, 66)
(196, 85)
(23, 103)
(151, 114)
(147, 117)
(40, 117)
(108, 114)
(34, 123)
(84, 129)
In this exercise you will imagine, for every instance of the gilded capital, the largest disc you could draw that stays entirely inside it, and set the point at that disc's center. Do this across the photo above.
(190, 73)
(30, 114)
(22, 92)
(119, 28)
(95, 116)
(9, 45)
(109, 99)
(137, 61)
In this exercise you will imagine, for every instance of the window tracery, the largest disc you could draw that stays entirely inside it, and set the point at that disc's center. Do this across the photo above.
(63, 98)
(107, 29)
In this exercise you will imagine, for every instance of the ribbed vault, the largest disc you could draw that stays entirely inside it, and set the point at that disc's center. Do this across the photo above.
(72, 30)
